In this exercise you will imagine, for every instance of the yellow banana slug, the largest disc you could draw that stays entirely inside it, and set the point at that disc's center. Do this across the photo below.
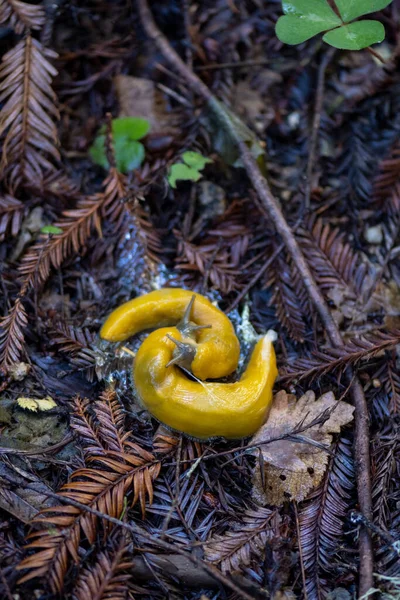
(204, 410)
(217, 347)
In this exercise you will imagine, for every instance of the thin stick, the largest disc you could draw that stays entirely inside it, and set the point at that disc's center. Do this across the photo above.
(260, 184)
(326, 58)
(244, 64)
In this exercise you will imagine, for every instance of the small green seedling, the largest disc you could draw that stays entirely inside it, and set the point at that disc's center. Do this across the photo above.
(189, 170)
(129, 152)
(51, 229)
(303, 19)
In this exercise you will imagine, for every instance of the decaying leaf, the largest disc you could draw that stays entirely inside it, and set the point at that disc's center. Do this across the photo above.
(139, 97)
(37, 404)
(292, 466)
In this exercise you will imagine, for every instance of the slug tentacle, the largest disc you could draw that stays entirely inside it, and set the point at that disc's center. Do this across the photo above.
(201, 409)
(217, 347)
(184, 353)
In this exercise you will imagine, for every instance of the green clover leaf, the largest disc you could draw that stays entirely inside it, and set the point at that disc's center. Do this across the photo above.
(303, 19)
(355, 36)
(352, 9)
(189, 170)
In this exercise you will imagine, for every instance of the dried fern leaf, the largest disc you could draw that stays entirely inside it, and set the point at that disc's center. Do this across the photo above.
(11, 213)
(389, 174)
(102, 489)
(115, 192)
(321, 520)
(386, 494)
(289, 298)
(56, 184)
(354, 351)
(83, 423)
(148, 236)
(110, 414)
(246, 539)
(21, 16)
(108, 577)
(210, 261)
(12, 341)
(331, 258)
(76, 343)
(77, 225)
(71, 339)
(28, 114)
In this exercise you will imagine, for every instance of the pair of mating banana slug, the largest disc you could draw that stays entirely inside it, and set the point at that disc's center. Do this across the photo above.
(198, 337)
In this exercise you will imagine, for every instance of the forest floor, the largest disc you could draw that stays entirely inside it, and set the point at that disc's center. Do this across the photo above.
(303, 240)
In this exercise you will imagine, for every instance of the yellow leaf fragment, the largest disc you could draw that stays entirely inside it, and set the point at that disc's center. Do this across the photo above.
(292, 468)
(36, 404)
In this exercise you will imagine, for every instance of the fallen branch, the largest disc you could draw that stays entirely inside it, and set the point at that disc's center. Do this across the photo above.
(260, 184)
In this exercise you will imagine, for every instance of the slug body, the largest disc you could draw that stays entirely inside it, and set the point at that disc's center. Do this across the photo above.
(217, 348)
(210, 349)
(204, 410)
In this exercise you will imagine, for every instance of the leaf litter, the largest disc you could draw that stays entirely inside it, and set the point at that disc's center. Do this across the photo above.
(290, 469)
(211, 236)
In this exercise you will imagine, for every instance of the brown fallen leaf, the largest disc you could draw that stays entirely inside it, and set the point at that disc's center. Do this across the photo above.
(139, 97)
(290, 469)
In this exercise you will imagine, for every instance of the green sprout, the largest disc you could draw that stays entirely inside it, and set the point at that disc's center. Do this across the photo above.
(189, 169)
(129, 152)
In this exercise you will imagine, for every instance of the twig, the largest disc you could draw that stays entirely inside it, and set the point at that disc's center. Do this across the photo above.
(244, 64)
(292, 435)
(188, 41)
(260, 184)
(376, 55)
(326, 58)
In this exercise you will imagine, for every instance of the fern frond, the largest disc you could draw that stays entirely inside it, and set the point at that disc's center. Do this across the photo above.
(12, 340)
(21, 16)
(234, 550)
(56, 184)
(210, 261)
(389, 174)
(332, 259)
(102, 489)
(148, 236)
(167, 442)
(76, 343)
(77, 225)
(110, 414)
(321, 520)
(28, 114)
(385, 493)
(115, 192)
(11, 213)
(107, 578)
(83, 423)
(354, 351)
(289, 298)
